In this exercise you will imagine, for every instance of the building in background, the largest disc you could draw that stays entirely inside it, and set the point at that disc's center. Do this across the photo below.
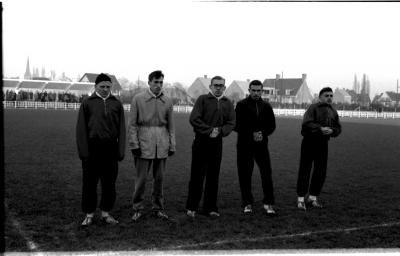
(289, 90)
(341, 96)
(199, 87)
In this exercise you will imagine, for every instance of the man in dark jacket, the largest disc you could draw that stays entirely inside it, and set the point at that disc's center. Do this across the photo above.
(320, 122)
(255, 121)
(212, 118)
(100, 136)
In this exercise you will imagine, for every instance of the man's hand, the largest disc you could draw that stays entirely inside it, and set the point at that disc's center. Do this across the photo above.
(326, 130)
(171, 153)
(215, 132)
(136, 152)
(257, 136)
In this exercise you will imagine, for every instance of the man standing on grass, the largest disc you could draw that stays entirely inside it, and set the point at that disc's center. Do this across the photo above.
(255, 121)
(320, 122)
(100, 136)
(151, 136)
(212, 118)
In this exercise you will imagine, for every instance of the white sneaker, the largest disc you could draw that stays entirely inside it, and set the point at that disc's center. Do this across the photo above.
(87, 221)
(214, 214)
(248, 209)
(301, 205)
(191, 214)
(136, 215)
(269, 209)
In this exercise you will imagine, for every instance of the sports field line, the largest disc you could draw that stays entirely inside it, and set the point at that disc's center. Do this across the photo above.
(286, 236)
(29, 241)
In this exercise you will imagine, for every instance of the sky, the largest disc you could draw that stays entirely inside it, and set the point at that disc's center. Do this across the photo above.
(330, 42)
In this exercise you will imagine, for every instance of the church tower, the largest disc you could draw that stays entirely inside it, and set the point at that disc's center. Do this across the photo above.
(27, 75)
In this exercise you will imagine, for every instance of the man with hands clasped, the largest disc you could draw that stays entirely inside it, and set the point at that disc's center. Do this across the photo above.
(320, 123)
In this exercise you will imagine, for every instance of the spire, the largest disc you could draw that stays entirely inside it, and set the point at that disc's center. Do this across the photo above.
(27, 71)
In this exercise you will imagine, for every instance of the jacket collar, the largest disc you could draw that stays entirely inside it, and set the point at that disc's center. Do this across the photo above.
(94, 96)
(212, 96)
(150, 95)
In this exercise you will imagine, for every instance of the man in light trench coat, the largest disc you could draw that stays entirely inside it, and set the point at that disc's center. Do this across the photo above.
(151, 138)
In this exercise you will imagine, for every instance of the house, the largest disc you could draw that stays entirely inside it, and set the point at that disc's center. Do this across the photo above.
(341, 96)
(237, 90)
(288, 90)
(91, 78)
(388, 99)
(199, 86)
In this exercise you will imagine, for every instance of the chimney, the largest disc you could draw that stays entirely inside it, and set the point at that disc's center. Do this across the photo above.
(304, 77)
(205, 76)
(278, 76)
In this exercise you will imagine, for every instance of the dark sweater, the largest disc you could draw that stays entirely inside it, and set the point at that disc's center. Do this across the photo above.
(100, 120)
(253, 116)
(320, 115)
(209, 112)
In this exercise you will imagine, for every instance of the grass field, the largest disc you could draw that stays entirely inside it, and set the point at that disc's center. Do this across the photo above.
(43, 193)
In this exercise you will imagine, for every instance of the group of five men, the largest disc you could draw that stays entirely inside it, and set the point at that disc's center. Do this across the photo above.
(101, 136)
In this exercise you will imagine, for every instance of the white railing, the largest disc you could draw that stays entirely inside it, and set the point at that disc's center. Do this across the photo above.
(188, 109)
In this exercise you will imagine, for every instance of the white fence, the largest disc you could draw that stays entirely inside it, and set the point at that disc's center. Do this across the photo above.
(188, 109)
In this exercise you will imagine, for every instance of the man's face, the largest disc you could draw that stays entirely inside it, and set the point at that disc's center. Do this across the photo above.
(103, 88)
(217, 87)
(156, 85)
(255, 91)
(326, 97)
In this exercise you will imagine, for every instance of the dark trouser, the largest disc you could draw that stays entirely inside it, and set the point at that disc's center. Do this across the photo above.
(206, 162)
(102, 165)
(312, 150)
(246, 154)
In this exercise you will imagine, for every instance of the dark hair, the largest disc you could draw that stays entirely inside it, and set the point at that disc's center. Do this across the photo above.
(217, 78)
(255, 82)
(325, 89)
(156, 74)
(102, 77)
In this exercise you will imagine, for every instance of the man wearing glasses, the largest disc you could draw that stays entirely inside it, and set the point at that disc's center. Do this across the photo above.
(320, 122)
(212, 118)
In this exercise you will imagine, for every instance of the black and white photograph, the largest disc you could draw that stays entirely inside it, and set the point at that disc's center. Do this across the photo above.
(187, 127)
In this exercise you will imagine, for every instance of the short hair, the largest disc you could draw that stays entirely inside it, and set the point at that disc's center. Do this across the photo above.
(255, 82)
(102, 77)
(325, 89)
(217, 78)
(156, 74)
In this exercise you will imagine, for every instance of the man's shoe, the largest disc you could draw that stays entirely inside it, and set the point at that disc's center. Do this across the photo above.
(109, 220)
(162, 215)
(270, 211)
(191, 214)
(314, 203)
(136, 215)
(301, 205)
(87, 221)
(214, 214)
(248, 209)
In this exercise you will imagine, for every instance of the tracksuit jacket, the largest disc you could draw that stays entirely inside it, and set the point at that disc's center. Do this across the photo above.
(252, 116)
(100, 120)
(319, 115)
